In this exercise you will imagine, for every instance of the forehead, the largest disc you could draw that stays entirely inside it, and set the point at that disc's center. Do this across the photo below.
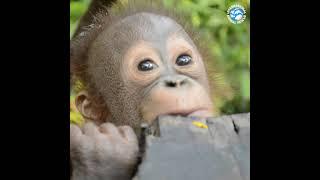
(152, 26)
(147, 27)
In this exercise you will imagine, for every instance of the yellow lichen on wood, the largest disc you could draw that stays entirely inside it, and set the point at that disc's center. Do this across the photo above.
(200, 124)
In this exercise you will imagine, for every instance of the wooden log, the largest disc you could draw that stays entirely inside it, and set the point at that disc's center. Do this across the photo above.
(196, 149)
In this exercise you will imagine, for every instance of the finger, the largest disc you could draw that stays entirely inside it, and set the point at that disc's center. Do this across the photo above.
(90, 129)
(109, 128)
(129, 134)
(75, 135)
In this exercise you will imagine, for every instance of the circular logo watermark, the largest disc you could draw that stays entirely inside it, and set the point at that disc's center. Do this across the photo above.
(236, 14)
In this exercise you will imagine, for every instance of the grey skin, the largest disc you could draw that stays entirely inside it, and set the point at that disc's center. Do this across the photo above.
(110, 150)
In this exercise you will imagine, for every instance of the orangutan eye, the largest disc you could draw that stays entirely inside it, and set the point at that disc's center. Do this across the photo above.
(183, 60)
(146, 65)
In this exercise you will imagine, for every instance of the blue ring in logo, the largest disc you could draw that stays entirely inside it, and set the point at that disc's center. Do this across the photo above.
(236, 14)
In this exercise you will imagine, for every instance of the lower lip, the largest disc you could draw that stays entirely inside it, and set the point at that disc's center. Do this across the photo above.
(199, 113)
(202, 113)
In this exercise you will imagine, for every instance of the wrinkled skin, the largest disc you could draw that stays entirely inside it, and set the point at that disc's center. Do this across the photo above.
(104, 151)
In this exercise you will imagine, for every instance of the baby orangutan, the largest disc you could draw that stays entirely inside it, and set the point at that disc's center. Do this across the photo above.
(135, 63)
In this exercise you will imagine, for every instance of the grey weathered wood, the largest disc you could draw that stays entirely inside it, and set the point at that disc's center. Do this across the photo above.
(238, 139)
(185, 151)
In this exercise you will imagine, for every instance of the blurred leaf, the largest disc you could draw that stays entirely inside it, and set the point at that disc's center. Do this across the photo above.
(196, 21)
(76, 118)
(245, 84)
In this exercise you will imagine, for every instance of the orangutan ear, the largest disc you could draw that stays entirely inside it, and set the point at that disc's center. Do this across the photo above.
(86, 107)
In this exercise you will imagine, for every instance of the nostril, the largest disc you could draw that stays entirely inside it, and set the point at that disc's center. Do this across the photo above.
(183, 82)
(171, 84)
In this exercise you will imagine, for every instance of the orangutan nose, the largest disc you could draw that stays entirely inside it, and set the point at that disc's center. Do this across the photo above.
(175, 82)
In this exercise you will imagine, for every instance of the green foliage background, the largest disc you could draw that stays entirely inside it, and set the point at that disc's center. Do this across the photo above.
(229, 43)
